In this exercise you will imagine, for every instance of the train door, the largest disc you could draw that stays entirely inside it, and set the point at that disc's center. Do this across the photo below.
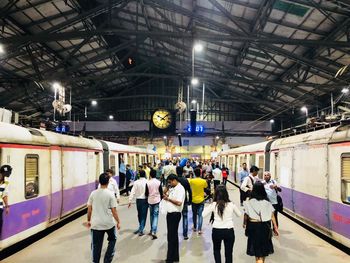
(236, 169)
(56, 184)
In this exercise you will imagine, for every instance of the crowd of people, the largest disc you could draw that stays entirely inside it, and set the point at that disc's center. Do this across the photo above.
(171, 188)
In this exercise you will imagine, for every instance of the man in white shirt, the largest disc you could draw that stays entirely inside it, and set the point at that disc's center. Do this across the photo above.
(112, 185)
(248, 182)
(101, 211)
(175, 198)
(217, 173)
(271, 189)
(139, 191)
(187, 169)
(168, 169)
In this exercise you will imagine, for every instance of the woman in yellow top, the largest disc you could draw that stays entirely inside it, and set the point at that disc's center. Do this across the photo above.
(197, 186)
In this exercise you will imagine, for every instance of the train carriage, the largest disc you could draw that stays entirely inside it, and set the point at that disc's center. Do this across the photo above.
(53, 175)
(313, 170)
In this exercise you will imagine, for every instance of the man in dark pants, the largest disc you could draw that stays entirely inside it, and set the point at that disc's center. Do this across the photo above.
(139, 191)
(241, 175)
(188, 200)
(122, 174)
(176, 198)
(100, 205)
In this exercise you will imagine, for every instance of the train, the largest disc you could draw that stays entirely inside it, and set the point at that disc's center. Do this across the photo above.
(53, 175)
(313, 169)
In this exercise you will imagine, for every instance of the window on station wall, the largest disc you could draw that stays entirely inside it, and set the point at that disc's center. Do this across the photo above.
(31, 176)
(112, 163)
(345, 178)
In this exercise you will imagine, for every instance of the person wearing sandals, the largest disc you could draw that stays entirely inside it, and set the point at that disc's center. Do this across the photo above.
(223, 210)
(257, 222)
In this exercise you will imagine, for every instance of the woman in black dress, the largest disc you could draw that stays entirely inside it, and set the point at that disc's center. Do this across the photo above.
(257, 221)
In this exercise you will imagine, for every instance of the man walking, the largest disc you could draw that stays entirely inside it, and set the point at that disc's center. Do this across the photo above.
(101, 212)
(154, 193)
(217, 176)
(139, 191)
(248, 182)
(112, 185)
(241, 175)
(198, 186)
(271, 189)
(176, 198)
(188, 200)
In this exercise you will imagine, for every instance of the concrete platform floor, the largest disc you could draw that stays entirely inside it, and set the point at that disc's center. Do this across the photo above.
(71, 243)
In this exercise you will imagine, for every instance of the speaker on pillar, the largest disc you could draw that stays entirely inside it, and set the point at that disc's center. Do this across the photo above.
(180, 141)
(193, 121)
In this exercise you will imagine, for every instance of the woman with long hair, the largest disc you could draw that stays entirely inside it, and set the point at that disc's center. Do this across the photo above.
(257, 222)
(222, 210)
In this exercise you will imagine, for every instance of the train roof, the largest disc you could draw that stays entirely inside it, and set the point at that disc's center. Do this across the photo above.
(246, 149)
(112, 146)
(10, 133)
(314, 137)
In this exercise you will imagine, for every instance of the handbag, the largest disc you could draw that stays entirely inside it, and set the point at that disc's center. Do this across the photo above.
(163, 207)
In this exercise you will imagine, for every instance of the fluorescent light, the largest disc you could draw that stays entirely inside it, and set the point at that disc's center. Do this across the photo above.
(193, 101)
(194, 81)
(217, 137)
(111, 117)
(304, 109)
(345, 90)
(56, 85)
(2, 49)
(93, 102)
(198, 47)
(164, 137)
(272, 121)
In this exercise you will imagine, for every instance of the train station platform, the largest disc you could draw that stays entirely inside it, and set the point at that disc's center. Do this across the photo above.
(71, 243)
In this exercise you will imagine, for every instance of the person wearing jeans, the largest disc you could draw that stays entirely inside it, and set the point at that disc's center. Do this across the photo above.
(100, 219)
(198, 186)
(222, 210)
(188, 200)
(139, 191)
(154, 193)
(197, 210)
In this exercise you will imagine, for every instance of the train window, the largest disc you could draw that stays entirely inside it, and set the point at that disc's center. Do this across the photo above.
(345, 178)
(31, 176)
(112, 162)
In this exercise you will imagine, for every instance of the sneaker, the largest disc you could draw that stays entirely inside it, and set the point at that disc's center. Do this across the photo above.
(199, 232)
(154, 236)
(185, 238)
(136, 232)
(141, 234)
(194, 230)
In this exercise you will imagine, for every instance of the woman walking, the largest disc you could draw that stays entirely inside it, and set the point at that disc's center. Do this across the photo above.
(222, 210)
(257, 221)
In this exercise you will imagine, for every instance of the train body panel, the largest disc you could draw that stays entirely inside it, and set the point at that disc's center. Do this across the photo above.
(53, 175)
(313, 170)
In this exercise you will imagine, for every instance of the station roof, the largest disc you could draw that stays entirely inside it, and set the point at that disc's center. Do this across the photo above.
(266, 57)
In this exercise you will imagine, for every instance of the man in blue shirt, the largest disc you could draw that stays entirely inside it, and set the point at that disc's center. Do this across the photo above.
(122, 174)
(241, 175)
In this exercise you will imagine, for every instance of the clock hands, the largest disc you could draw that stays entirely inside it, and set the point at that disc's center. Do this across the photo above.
(164, 116)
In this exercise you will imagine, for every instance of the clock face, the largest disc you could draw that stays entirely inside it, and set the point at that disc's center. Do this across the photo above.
(162, 119)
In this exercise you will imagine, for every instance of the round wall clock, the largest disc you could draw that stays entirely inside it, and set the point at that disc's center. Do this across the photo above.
(162, 119)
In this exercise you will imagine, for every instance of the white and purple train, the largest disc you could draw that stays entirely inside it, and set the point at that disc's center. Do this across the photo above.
(314, 172)
(53, 175)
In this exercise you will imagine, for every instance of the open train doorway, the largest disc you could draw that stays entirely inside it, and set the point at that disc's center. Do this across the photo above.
(122, 170)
